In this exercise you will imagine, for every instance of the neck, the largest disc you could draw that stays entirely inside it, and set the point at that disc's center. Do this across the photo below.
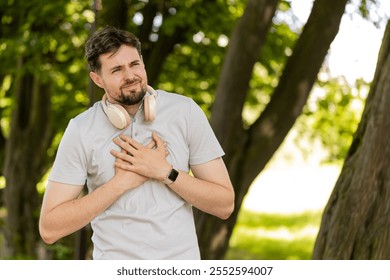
(132, 109)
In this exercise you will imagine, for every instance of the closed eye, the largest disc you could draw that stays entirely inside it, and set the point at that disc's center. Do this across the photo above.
(115, 69)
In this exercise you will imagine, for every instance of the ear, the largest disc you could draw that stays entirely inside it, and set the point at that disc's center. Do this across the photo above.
(96, 79)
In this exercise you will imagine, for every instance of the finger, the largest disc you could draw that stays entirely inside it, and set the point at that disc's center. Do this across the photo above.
(151, 144)
(122, 165)
(130, 141)
(122, 156)
(159, 143)
(125, 146)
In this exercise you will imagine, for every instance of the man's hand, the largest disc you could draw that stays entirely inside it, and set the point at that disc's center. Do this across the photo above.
(148, 161)
(127, 179)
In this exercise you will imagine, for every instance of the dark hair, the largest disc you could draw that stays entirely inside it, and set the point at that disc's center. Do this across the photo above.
(108, 40)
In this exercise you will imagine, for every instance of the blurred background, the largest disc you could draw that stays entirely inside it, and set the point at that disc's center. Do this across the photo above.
(285, 85)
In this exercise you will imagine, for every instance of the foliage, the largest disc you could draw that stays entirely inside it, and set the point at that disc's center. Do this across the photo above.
(49, 37)
(52, 44)
(57, 49)
(193, 68)
(331, 117)
(267, 71)
(263, 236)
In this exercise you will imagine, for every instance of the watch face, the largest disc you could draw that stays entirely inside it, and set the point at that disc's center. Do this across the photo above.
(173, 175)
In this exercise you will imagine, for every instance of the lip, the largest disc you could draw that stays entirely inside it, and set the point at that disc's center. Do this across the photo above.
(129, 85)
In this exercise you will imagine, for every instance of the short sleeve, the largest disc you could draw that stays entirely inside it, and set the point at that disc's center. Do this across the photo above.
(203, 143)
(70, 165)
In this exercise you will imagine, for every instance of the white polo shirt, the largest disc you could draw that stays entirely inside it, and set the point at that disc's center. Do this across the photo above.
(150, 221)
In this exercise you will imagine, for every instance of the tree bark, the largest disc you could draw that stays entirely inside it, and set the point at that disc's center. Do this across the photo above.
(249, 150)
(247, 39)
(25, 163)
(356, 220)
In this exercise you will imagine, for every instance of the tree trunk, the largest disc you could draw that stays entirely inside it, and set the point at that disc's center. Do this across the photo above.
(249, 150)
(2, 152)
(113, 12)
(25, 164)
(247, 39)
(356, 220)
(156, 53)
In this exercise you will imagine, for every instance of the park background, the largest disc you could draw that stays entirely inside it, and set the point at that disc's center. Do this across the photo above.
(293, 71)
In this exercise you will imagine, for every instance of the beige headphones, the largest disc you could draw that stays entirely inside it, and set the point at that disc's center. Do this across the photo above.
(120, 118)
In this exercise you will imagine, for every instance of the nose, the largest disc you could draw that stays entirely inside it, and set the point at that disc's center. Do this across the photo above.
(128, 74)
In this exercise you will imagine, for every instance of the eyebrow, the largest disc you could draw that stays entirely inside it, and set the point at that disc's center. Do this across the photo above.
(118, 67)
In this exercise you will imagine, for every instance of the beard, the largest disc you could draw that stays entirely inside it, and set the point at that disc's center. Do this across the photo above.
(131, 97)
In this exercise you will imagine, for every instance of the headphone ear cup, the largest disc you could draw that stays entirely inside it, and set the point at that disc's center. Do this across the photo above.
(150, 108)
(117, 115)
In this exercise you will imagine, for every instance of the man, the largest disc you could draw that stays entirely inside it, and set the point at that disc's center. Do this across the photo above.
(134, 150)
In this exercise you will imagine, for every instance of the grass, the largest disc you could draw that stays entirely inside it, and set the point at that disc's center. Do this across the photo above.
(256, 236)
(263, 236)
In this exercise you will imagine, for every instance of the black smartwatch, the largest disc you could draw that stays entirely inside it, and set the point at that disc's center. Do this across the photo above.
(171, 177)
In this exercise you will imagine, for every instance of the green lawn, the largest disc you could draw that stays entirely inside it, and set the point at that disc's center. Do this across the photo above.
(263, 236)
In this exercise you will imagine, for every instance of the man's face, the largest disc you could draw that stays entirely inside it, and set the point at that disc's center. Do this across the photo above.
(123, 76)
